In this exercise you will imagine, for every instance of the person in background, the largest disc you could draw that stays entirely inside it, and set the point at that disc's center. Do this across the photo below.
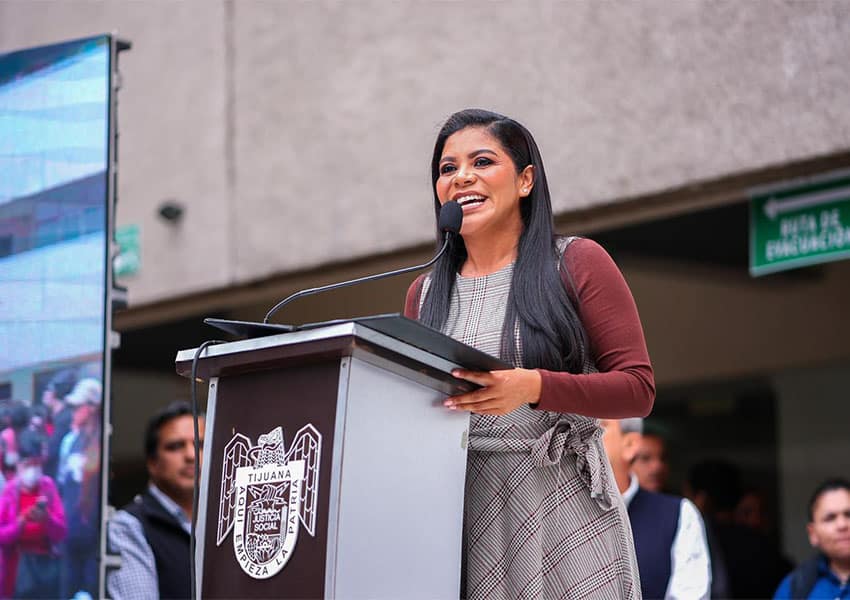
(669, 536)
(59, 416)
(751, 511)
(79, 485)
(650, 463)
(83, 400)
(18, 419)
(827, 574)
(32, 524)
(39, 422)
(152, 533)
(746, 561)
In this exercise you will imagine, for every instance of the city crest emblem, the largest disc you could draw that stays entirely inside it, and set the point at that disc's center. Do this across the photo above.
(266, 494)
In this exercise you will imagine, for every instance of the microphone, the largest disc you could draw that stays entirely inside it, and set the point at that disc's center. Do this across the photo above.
(448, 223)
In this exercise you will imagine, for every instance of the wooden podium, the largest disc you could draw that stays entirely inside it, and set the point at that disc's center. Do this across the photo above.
(331, 468)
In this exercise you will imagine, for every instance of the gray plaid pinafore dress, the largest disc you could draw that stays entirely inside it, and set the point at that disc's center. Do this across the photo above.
(542, 515)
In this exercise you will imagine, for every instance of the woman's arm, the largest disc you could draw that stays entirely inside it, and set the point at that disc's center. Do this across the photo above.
(10, 527)
(625, 385)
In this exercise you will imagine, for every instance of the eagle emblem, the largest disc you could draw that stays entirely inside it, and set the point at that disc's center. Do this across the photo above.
(266, 492)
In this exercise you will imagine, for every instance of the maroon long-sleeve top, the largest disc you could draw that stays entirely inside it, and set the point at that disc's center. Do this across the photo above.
(624, 386)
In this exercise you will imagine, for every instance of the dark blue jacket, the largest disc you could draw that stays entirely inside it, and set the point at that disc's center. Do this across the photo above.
(812, 579)
(169, 542)
(655, 520)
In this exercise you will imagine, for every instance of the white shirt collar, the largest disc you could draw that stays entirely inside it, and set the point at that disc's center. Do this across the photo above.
(631, 490)
(171, 506)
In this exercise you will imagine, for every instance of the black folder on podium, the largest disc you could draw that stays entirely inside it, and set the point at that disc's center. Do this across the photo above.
(394, 325)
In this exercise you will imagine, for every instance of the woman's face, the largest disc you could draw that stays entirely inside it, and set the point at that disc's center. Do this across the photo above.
(83, 415)
(476, 172)
(29, 471)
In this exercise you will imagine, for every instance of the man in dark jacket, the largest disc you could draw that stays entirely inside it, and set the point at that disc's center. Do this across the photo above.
(152, 533)
(61, 414)
(827, 574)
(668, 532)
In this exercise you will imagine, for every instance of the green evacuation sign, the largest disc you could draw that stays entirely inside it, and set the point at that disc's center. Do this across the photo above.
(799, 225)
(128, 259)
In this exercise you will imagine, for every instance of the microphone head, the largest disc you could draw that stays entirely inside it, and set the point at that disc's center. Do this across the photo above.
(451, 217)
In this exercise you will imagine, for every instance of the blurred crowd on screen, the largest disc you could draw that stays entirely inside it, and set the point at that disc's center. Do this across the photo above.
(50, 482)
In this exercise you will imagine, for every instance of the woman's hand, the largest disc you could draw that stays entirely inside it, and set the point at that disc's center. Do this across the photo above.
(36, 513)
(501, 391)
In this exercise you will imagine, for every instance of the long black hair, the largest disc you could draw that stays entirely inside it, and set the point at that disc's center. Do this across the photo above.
(550, 330)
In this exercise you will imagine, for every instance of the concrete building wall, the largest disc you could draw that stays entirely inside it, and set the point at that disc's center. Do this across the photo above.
(171, 111)
(705, 323)
(298, 134)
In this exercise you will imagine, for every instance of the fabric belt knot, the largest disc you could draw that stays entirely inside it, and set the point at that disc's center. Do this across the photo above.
(582, 437)
(578, 436)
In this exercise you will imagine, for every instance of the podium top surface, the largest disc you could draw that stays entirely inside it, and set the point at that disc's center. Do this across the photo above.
(392, 340)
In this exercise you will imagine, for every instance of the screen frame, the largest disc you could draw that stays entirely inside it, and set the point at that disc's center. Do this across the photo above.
(113, 297)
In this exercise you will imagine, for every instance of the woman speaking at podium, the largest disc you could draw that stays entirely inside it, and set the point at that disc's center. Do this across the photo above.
(543, 517)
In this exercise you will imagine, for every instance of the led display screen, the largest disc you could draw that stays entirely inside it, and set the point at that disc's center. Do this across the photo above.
(54, 157)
